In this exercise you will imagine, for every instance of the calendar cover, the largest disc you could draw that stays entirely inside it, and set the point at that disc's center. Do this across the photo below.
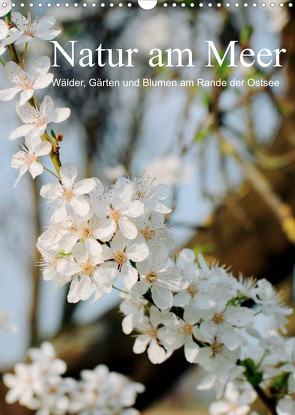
(147, 207)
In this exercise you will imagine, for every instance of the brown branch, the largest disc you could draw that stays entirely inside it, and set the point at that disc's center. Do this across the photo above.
(35, 273)
(270, 403)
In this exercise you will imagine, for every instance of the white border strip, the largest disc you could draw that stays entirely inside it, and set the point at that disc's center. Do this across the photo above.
(170, 4)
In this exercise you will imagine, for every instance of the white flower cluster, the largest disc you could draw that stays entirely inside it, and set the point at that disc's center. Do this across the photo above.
(39, 386)
(25, 81)
(274, 356)
(212, 318)
(97, 235)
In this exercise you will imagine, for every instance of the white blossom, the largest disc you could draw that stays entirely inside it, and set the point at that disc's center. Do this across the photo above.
(153, 230)
(31, 29)
(46, 359)
(68, 193)
(159, 273)
(147, 337)
(224, 322)
(119, 210)
(133, 309)
(179, 332)
(35, 121)
(88, 271)
(24, 385)
(27, 159)
(271, 303)
(234, 403)
(124, 251)
(201, 292)
(26, 81)
(147, 191)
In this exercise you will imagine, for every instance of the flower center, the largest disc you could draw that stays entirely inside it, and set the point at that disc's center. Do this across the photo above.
(68, 194)
(90, 405)
(53, 389)
(147, 233)
(151, 277)
(187, 329)
(234, 407)
(30, 158)
(87, 268)
(39, 120)
(29, 380)
(216, 347)
(115, 215)
(86, 232)
(218, 318)
(153, 332)
(192, 290)
(29, 30)
(140, 193)
(120, 258)
(25, 83)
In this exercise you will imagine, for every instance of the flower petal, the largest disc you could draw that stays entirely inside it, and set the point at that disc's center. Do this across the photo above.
(133, 209)
(67, 267)
(137, 251)
(141, 343)
(239, 317)
(127, 227)
(21, 172)
(156, 353)
(80, 205)
(162, 297)
(84, 186)
(128, 275)
(3, 30)
(42, 149)
(9, 93)
(59, 115)
(35, 169)
(51, 191)
(43, 81)
(46, 106)
(25, 96)
(42, 65)
(68, 173)
(191, 350)
(21, 131)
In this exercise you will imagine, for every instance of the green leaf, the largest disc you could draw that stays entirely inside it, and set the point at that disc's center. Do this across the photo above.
(8, 17)
(202, 134)
(245, 34)
(133, 263)
(281, 381)
(224, 70)
(252, 374)
(62, 253)
(232, 302)
(204, 249)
